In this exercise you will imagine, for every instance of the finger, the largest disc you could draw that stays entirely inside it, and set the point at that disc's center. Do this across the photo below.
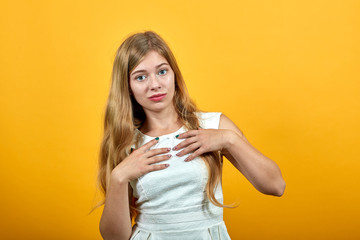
(157, 159)
(194, 155)
(188, 134)
(148, 145)
(188, 149)
(185, 143)
(157, 167)
(156, 151)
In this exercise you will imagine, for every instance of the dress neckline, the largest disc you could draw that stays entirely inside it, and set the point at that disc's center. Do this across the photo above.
(165, 135)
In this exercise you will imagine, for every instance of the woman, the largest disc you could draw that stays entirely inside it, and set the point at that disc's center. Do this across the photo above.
(161, 158)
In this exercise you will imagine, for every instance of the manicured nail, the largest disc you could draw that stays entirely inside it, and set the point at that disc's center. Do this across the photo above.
(157, 138)
(174, 148)
(187, 159)
(168, 149)
(177, 136)
(166, 165)
(178, 154)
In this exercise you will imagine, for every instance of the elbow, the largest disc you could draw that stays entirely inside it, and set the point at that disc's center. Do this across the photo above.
(114, 237)
(276, 190)
(107, 234)
(278, 186)
(104, 233)
(280, 189)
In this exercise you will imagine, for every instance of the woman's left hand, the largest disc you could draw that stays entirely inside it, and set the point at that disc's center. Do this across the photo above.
(201, 141)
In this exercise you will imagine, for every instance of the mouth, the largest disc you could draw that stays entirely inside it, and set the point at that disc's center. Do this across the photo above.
(157, 97)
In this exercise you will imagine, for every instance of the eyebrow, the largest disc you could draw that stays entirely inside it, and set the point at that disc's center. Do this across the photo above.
(145, 71)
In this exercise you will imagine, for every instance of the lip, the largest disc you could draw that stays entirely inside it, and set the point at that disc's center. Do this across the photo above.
(157, 97)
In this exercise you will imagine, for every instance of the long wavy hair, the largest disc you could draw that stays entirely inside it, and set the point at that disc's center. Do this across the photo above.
(123, 114)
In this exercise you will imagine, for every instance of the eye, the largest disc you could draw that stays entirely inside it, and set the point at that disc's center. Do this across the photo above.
(162, 72)
(140, 78)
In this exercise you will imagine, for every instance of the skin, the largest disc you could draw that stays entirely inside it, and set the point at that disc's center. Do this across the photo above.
(161, 118)
(262, 172)
(115, 221)
(154, 75)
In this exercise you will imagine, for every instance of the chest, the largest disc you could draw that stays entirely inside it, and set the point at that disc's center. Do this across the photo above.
(180, 178)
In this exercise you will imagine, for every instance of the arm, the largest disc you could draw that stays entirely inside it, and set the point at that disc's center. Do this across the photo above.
(115, 221)
(263, 173)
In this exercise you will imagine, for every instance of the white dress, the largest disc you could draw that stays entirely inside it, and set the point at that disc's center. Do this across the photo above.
(172, 202)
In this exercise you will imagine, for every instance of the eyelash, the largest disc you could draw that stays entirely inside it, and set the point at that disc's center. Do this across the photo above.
(137, 78)
(164, 70)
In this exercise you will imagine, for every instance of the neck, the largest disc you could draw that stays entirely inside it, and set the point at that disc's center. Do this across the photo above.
(159, 123)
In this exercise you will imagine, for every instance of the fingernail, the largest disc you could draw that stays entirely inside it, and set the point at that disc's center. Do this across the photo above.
(174, 148)
(166, 165)
(177, 135)
(157, 138)
(177, 154)
(187, 159)
(168, 149)
(169, 155)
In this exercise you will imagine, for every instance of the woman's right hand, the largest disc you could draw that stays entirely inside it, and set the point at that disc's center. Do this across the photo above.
(139, 162)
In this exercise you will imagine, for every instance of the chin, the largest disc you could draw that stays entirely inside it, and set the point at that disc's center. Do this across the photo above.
(159, 106)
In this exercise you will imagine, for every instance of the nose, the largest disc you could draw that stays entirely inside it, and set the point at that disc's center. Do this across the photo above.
(154, 82)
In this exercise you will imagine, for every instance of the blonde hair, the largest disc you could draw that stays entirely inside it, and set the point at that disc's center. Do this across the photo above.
(123, 114)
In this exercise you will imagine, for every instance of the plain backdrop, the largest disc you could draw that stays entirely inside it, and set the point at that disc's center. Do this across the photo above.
(286, 72)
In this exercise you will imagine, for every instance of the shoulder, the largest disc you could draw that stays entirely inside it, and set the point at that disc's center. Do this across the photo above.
(207, 115)
(227, 123)
(218, 120)
(209, 119)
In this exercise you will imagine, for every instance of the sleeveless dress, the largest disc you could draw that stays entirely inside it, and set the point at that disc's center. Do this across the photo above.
(172, 202)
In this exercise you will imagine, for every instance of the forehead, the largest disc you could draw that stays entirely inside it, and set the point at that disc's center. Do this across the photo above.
(150, 60)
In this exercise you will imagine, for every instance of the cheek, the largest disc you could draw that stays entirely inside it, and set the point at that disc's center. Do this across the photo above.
(170, 81)
(135, 91)
(138, 98)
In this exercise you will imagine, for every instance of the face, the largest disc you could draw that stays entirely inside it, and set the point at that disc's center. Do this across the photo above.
(151, 77)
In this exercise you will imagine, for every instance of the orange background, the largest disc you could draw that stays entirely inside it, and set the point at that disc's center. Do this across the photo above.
(286, 72)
